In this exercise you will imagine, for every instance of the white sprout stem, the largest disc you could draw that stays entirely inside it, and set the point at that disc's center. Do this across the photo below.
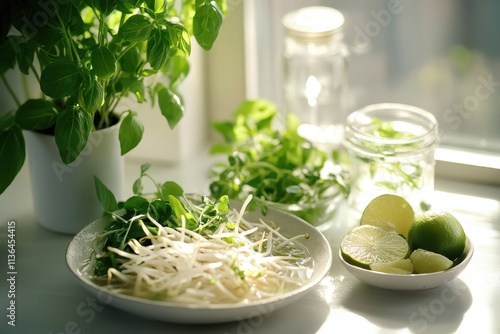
(187, 267)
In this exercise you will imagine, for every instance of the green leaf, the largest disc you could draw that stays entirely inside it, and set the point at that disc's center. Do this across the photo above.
(171, 188)
(180, 211)
(129, 62)
(206, 24)
(137, 87)
(7, 120)
(103, 62)
(136, 204)
(72, 131)
(91, 96)
(136, 28)
(105, 196)
(179, 37)
(158, 48)
(226, 129)
(36, 114)
(105, 6)
(137, 187)
(25, 56)
(171, 106)
(157, 6)
(223, 205)
(144, 168)
(12, 155)
(176, 68)
(131, 130)
(128, 6)
(7, 55)
(60, 79)
(48, 35)
(159, 210)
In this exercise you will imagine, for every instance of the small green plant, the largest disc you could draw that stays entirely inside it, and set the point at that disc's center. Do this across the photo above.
(165, 206)
(271, 162)
(86, 55)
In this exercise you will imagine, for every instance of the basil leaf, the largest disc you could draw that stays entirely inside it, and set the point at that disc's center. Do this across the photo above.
(177, 68)
(36, 114)
(179, 37)
(129, 62)
(206, 24)
(8, 54)
(128, 6)
(130, 134)
(136, 28)
(158, 48)
(157, 6)
(12, 155)
(105, 196)
(171, 106)
(103, 62)
(60, 79)
(48, 35)
(105, 6)
(72, 131)
(92, 96)
(7, 120)
(25, 55)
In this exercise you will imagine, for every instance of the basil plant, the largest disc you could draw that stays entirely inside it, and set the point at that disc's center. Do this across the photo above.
(87, 55)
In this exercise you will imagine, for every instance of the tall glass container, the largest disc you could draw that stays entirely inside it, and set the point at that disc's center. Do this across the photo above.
(315, 69)
(391, 150)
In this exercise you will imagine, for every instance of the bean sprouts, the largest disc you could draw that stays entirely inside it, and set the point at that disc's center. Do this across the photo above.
(239, 262)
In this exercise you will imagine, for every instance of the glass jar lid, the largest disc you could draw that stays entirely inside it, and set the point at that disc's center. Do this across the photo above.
(313, 23)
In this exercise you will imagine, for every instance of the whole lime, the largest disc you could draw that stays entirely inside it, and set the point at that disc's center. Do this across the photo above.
(438, 232)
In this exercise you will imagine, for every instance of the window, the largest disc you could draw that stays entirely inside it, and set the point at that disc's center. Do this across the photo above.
(441, 56)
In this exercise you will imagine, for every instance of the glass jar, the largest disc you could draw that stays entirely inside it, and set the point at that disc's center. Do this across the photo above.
(315, 69)
(391, 150)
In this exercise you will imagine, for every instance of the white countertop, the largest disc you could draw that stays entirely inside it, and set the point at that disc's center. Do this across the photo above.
(50, 300)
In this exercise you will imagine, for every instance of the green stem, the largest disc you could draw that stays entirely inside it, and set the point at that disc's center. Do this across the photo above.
(10, 90)
(37, 76)
(154, 182)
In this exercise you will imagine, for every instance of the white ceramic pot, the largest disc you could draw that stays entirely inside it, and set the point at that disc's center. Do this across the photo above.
(64, 196)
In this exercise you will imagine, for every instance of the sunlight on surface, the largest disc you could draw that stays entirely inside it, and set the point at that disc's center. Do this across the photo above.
(466, 203)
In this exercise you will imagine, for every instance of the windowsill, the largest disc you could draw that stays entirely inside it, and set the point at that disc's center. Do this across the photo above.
(468, 166)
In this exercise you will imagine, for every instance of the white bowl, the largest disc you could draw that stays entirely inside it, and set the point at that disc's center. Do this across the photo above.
(80, 249)
(411, 282)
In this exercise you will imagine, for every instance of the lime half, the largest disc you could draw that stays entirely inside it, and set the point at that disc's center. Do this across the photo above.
(367, 244)
(429, 262)
(389, 212)
(402, 267)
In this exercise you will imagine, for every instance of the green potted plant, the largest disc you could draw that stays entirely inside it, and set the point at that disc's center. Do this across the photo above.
(86, 56)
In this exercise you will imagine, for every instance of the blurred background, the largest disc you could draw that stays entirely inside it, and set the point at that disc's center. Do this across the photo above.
(441, 56)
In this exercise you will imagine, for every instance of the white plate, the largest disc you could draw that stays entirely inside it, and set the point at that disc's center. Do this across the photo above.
(411, 282)
(80, 249)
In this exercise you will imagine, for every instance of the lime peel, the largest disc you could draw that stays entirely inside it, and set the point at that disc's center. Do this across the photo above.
(438, 232)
